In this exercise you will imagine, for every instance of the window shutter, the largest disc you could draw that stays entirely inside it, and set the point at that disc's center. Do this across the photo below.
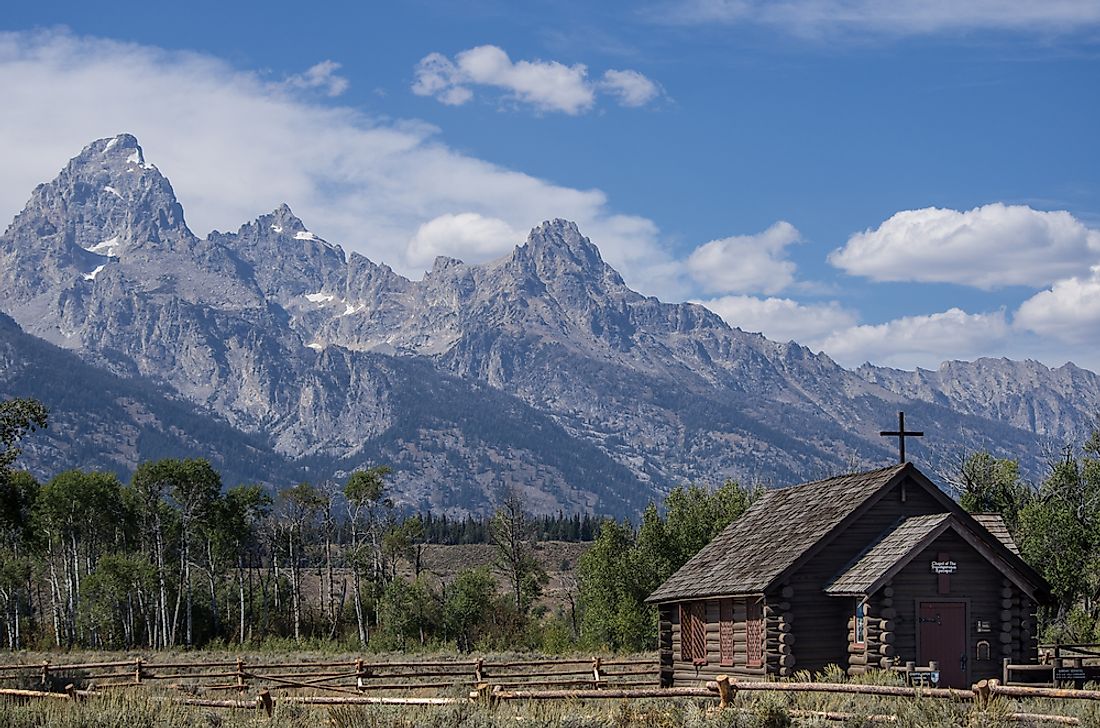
(693, 632)
(725, 631)
(754, 634)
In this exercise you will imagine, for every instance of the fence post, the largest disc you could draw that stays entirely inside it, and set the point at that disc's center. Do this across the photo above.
(981, 694)
(479, 675)
(596, 672)
(1004, 669)
(359, 674)
(241, 687)
(726, 691)
(264, 700)
(138, 662)
(45, 672)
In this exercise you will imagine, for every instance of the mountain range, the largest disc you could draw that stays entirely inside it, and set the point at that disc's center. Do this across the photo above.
(281, 357)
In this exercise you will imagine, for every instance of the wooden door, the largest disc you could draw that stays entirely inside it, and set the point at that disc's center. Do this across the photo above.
(942, 635)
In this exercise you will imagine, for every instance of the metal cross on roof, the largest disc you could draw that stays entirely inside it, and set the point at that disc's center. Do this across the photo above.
(901, 434)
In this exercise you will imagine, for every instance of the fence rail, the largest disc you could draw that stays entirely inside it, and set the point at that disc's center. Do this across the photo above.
(354, 676)
(724, 689)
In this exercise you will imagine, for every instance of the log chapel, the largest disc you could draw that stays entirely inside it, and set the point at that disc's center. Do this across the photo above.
(865, 571)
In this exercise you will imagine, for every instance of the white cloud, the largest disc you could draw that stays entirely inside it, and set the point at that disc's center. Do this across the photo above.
(922, 341)
(892, 17)
(782, 319)
(235, 147)
(1068, 311)
(746, 263)
(545, 85)
(987, 247)
(321, 76)
(631, 88)
(469, 236)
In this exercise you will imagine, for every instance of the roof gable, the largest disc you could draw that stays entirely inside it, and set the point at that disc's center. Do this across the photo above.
(898, 547)
(747, 556)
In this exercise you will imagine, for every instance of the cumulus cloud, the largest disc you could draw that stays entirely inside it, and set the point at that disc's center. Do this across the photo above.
(631, 87)
(746, 263)
(890, 17)
(923, 341)
(782, 319)
(988, 247)
(1068, 311)
(469, 236)
(235, 146)
(322, 77)
(545, 85)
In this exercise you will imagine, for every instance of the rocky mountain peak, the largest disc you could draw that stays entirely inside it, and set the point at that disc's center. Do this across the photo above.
(444, 262)
(282, 220)
(123, 147)
(559, 255)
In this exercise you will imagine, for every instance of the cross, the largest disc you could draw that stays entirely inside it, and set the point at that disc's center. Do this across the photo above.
(901, 434)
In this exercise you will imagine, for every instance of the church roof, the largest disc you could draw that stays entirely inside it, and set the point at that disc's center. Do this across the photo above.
(900, 545)
(909, 536)
(995, 524)
(787, 525)
(773, 534)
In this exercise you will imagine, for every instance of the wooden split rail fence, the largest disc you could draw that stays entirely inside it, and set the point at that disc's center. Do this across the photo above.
(515, 680)
(350, 677)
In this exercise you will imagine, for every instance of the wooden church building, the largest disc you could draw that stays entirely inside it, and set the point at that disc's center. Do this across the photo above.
(864, 571)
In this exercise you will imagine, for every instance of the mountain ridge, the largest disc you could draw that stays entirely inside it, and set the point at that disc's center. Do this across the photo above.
(287, 336)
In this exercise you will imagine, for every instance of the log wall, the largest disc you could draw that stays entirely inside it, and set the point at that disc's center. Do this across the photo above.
(681, 673)
(991, 598)
(821, 622)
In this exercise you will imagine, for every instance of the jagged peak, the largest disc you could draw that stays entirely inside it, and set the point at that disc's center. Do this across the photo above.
(121, 148)
(561, 233)
(559, 241)
(443, 262)
(282, 220)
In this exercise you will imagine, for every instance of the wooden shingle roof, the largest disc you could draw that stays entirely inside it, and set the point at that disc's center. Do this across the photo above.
(772, 535)
(908, 536)
(995, 524)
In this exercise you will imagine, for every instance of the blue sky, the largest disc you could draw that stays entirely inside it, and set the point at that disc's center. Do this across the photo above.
(720, 151)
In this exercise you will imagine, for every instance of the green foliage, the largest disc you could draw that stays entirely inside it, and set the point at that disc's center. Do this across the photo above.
(467, 606)
(17, 418)
(623, 566)
(511, 532)
(992, 485)
(367, 486)
(1057, 528)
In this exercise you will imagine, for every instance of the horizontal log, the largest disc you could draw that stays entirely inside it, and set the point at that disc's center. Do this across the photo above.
(1014, 691)
(369, 700)
(886, 638)
(14, 693)
(888, 591)
(673, 692)
(847, 688)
